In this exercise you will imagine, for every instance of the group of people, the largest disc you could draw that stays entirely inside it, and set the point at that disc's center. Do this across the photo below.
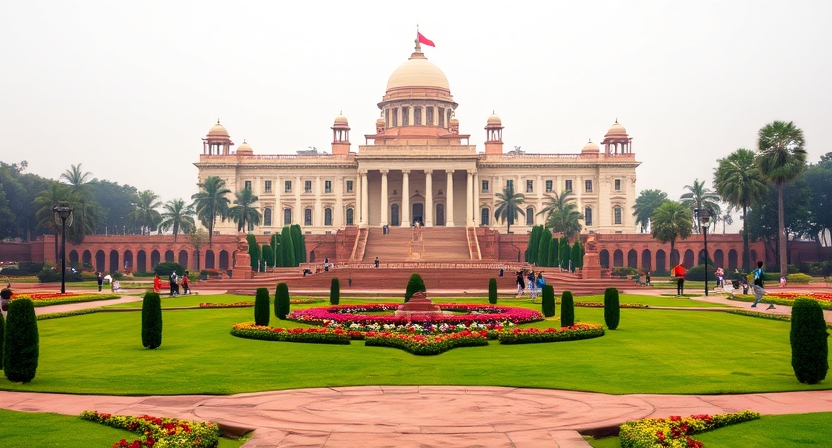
(758, 281)
(177, 282)
(536, 282)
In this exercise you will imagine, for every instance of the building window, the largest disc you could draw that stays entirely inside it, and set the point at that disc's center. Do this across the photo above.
(386, 117)
(616, 212)
(529, 216)
(395, 116)
(307, 186)
(327, 216)
(349, 186)
(510, 184)
(548, 186)
(267, 216)
(267, 186)
(441, 117)
(529, 186)
(485, 217)
(618, 185)
(588, 216)
(568, 185)
(485, 186)
(327, 186)
(417, 116)
(429, 117)
(588, 186)
(405, 116)
(350, 216)
(307, 217)
(287, 186)
(248, 185)
(287, 216)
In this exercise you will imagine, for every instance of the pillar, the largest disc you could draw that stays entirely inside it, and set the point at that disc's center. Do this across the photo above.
(365, 200)
(405, 198)
(449, 205)
(475, 209)
(384, 196)
(469, 198)
(428, 198)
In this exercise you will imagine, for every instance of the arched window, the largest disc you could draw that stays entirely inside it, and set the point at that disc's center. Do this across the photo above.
(588, 216)
(616, 215)
(287, 216)
(529, 216)
(350, 216)
(267, 216)
(327, 216)
(417, 116)
(485, 217)
(307, 217)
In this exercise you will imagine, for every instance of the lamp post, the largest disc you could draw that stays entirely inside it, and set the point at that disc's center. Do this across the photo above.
(63, 213)
(704, 217)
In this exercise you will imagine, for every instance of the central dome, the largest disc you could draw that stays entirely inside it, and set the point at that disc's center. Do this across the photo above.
(418, 72)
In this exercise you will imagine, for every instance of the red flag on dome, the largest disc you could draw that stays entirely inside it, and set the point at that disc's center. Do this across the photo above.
(424, 40)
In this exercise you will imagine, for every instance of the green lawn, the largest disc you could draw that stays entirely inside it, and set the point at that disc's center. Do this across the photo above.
(771, 431)
(27, 429)
(653, 351)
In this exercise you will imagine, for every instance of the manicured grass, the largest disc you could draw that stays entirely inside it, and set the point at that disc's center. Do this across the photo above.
(653, 301)
(771, 431)
(653, 351)
(29, 429)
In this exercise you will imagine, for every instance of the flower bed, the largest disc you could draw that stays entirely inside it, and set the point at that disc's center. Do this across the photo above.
(346, 315)
(533, 335)
(601, 305)
(314, 335)
(47, 299)
(425, 345)
(788, 298)
(676, 431)
(227, 305)
(159, 432)
(417, 328)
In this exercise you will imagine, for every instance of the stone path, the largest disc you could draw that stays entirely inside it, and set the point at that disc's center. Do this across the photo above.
(422, 416)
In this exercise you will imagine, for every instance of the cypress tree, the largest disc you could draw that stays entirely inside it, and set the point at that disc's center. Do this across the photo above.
(567, 309)
(612, 308)
(809, 341)
(564, 253)
(548, 300)
(281, 301)
(335, 291)
(288, 247)
(253, 252)
(492, 291)
(2, 334)
(414, 285)
(21, 344)
(303, 248)
(298, 244)
(581, 258)
(552, 257)
(534, 241)
(542, 253)
(261, 307)
(274, 242)
(151, 320)
(268, 257)
(576, 254)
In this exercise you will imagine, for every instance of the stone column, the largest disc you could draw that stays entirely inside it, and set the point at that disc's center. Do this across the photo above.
(449, 204)
(318, 213)
(298, 218)
(384, 196)
(469, 197)
(356, 216)
(365, 200)
(405, 198)
(428, 198)
(338, 214)
(475, 209)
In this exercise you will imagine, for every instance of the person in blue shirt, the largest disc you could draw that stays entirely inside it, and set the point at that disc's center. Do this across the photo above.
(758, 285)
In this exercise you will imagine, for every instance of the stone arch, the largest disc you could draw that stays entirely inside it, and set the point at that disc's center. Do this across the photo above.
(155, 258)
(73, 259)
(440, 214)
(141, 261)
(114, 261)
(529, 216)
(646, 260)
(661, 261)
(394, 215)
(312, 256)
(689, 258)
(99, 261)
(618, 258)
(224, 262)
(485, 216)
(209, 259)
(719, 258)
(632, 259)
(604, 257)
(732, 259)
(129, 264)
(169, 256)
(86, 259)
(753, 261)
(700, 258)
(350, 216)
(183, 258)
(674, 258)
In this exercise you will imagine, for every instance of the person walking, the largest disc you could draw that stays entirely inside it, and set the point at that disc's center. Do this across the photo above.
(521, 284)
(173, 284)
(6, 297)
(100, 280)
(157, 284)
(758, 286)
(376, 262)
(679, 272)
(532, 286)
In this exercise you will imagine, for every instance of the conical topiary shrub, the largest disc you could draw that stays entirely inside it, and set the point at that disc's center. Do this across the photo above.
(612, 308)
(261, 307)
(335, 291)
(567, 309)
(492, 291)
(151, 320)
(21, 345)
(2, 333)
(809, 340)
(281, 301)
(414, 285)
(548, 301)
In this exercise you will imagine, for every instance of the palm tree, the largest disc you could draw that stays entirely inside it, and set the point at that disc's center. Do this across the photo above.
(670, 222)
(727, 219)
(85, 220)
(243, 213)
(211, 202)
(508, 205)
(145, 216)
(781, 158)
(699, 197)
(56, 194)
(75, 177)
(740, 183)
(177, 216)
(562, 213)
(646, 203)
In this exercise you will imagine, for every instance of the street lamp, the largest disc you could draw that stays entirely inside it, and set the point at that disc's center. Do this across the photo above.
(63, 213)
(704, 217)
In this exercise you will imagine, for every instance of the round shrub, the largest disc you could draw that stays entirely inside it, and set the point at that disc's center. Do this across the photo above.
(548, 301)
(808, 336)
(151, 320)
(492, 291)
(261, 307)
(798, 278)
(697, 273)
(567, 309)
(21, 343)
(48, 275)
(335, 291)
(164, 269)
(281, 301)
(414, 285)
(612, 308)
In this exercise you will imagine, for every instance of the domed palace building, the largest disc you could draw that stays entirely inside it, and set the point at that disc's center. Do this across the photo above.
(417, 169)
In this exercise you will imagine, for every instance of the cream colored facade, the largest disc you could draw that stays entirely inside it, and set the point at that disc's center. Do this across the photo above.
(418, 167)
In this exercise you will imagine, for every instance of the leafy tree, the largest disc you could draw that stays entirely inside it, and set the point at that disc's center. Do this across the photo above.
(144, 215)
(670, 222)
(56, 194)
(21, 344)
(84, 219)
(762, 219)
(819, 181)
(115, 203)
(646, 203)
(508, 206)
(211, 202)
(562, 213)
(781, 158)
(7, 217)
(178, 217)
(243, 213)
(700, 197)
(197, 239)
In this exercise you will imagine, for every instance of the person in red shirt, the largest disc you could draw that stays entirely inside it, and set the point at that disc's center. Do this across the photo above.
(157, 283)
(679, 272)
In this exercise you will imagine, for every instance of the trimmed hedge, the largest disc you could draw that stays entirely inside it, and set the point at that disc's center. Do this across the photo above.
(534, 335)
(335, 291)
(261, 307)
(612, 308)
(151, 320)
(808, 336)
(21, 344)
(492, 291)
(2, 334)
(414, 285)
(548, 301)
(567, 309)
(281, 301)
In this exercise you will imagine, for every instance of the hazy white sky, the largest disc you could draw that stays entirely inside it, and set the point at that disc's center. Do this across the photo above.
(129, 88)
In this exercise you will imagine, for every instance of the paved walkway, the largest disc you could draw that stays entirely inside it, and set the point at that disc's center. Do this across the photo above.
(422, 416)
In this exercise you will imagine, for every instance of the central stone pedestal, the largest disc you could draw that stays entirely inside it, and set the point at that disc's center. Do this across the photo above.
(419, 304)
(592, 266)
